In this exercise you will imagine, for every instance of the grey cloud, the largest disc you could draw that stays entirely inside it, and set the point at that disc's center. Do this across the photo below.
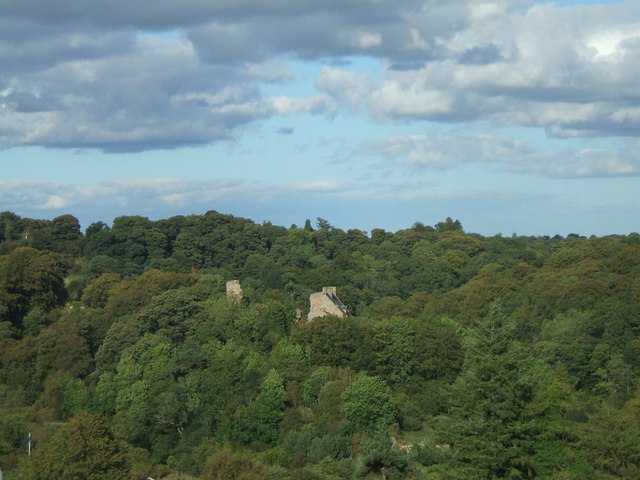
(156, 96)
(404, 33)
(318, 36)
(26, 47)
(154, 15)
(29, 102)
(79, 74)
(482, 55)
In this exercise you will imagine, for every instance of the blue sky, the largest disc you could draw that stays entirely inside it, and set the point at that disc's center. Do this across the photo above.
(512, 116)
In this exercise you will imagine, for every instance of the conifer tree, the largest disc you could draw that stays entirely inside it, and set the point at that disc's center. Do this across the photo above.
(487, 426)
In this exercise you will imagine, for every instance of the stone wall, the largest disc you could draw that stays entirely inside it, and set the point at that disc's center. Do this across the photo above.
(234, 291)
(326, 303)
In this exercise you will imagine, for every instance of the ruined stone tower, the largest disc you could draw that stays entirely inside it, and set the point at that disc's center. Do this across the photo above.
(326, 303)
(234, 291)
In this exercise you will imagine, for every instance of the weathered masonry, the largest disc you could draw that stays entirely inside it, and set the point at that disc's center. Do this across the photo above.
(326, 303)
(234, 291)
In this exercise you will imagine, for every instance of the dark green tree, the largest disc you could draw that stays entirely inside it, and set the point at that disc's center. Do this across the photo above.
(487, 424)
(30, 278)
(448, 225)
(395, 350)
(11, 228)
(65, 235)
(380, 458)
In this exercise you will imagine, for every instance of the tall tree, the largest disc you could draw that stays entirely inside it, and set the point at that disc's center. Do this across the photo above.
(487, 422)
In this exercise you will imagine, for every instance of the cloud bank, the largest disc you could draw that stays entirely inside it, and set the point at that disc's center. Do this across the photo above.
(502, 153)
(398, 204)
(123, 76)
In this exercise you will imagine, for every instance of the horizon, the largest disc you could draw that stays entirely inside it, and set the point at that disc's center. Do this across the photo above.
(344, 228)
(512, 116)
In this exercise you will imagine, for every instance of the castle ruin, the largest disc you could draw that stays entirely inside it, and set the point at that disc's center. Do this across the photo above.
(326, 303)
(234, 291)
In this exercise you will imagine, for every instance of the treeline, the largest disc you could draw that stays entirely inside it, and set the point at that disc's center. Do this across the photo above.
(463, 357)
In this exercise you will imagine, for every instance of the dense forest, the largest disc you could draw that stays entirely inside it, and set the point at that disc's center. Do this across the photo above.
(463, 357)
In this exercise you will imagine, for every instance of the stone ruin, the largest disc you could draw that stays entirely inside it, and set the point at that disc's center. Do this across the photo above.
(234, 291)
(326, 303)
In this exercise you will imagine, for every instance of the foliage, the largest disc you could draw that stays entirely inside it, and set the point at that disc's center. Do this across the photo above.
(368, 404)
(83, 449)
(463, 356)
(229, 465)
(487, 421)
(30, 278)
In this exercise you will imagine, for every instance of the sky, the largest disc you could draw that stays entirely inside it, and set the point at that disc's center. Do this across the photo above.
(512, 116)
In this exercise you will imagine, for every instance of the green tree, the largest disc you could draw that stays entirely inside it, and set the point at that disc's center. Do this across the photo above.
(30, 278)
(395, 350)
(226, 464)
(143, 381)
(65, 235)
(381, 459)
(96, 294)
(487, 421)
(368, 404)
(11, 226)
(98, 240)
(258, 422)
(83, 449)
(610, 438)
(129, 296)
(448, 225)
(62, 347)
(289, 359)
(170, 313)
(335, 342)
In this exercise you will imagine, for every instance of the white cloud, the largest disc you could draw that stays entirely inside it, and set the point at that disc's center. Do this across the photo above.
(568, 70)
(418, 152)
(397, 203)
(585, 163)
(54, 202)
(348, 87)
(402, 98)
(144, 194)
(290, 106)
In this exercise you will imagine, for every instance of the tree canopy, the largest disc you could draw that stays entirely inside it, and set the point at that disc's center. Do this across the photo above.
(463, 357)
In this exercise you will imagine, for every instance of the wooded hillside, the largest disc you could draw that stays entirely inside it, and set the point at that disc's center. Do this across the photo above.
(463, 356)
